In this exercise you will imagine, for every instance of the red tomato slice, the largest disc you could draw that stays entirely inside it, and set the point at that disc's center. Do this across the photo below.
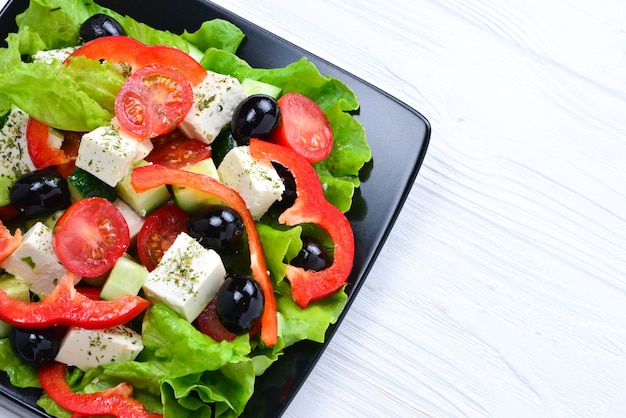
(158, 232)
(209, 324)
(304, 127)
(41, 152)
(122, 49)
(90, 237)
(153, 101)
(175, 150)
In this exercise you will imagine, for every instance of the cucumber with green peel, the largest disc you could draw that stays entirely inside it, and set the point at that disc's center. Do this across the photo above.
(15, 288)
(251, 86)
(126, 278)
(82, 184)
(191, 200)
(145, 202)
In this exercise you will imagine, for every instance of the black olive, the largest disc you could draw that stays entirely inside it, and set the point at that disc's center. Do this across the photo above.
(100, 25)
(39, 193)
(289, 194)
(255, 117)
(239, 304)
(35, 346)
(217, 228)
(312, 256)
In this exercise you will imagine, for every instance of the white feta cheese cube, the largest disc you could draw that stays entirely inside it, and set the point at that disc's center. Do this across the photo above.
(257, 182)
(50, 55)
(14, 157)
(187, 277)
(109, 153)
(215, 100)
(35, 261)
(87, 349)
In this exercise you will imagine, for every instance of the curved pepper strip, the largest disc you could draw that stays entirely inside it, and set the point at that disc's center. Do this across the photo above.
(311, 206)
(124, 49)
(66, 306)
(116, 401)
(150, 176)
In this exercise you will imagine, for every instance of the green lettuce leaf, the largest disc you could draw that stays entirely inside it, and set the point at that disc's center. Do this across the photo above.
(312, 322)
(279, 247)
(151, 36)
(216, 33)
(229, 388)
(20, 374)
(76, 97)
(57, 22)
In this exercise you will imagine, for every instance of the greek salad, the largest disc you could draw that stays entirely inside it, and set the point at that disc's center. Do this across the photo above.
(171, 218)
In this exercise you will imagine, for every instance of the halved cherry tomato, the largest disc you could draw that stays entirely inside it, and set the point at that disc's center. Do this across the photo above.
(150, 176)
(116, 401)
(209, 323)
(41, 152)
(123, 49)
(176, 150)
(303, 127)
(158, 232)
(8, 242)
(153, 101)
(91, 236)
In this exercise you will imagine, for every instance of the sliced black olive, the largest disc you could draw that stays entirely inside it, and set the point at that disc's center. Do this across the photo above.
(255, 117)
(98, 26)
(39, 193)
(239, 304)
(35, 346)
(312, 256)
(217, 228)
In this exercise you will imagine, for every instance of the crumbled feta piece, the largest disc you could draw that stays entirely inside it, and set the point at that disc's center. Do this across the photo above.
(187, 277)
(109, 153)
(35, 261)
(257, 182)
(50, 55)
(215, 100)
(87, 349)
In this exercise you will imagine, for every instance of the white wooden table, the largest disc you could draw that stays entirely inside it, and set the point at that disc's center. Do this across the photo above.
(501, 290)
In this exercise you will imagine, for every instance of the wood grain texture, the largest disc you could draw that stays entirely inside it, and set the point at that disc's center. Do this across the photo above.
(501, 291)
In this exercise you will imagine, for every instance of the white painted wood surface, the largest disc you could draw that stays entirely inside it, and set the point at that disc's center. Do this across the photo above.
(501, 291)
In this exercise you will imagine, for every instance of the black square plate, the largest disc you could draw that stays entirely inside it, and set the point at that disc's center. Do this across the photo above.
(397, 134)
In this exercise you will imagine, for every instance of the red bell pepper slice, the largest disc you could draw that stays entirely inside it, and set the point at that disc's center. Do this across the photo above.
(8, 242)
(123, 49)
(150, 176)
(116, 401)
(41, 153)
(66, 306)
(311, 206)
